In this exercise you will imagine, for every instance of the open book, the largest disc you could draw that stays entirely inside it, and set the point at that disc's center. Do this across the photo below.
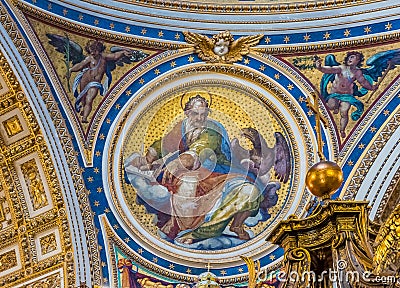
(157, 165)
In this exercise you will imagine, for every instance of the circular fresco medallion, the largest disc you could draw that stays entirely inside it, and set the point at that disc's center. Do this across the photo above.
(208, 168)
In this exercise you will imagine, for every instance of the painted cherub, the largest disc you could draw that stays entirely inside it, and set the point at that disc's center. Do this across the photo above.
(222, 42)
(92, 70)
(345, 77)
(88, 83)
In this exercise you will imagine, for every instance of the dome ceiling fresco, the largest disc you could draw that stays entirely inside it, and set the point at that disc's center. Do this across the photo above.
(183, 131)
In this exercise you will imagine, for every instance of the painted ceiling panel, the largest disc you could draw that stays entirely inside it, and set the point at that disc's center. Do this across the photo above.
(116, 80)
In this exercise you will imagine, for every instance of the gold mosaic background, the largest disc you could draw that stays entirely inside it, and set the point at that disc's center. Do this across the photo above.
(233, 108)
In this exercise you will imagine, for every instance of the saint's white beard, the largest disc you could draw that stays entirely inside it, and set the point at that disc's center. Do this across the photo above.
(193, 130)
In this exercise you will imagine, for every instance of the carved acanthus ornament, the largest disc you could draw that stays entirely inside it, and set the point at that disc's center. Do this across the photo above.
(8, 260)
(35, 238)
(387, 243)
(330, 248)
(221, 48)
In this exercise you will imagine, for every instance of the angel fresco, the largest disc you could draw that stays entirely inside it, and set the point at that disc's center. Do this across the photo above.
(92, 68)
(221, 47)
(344, 78)
(203, 187)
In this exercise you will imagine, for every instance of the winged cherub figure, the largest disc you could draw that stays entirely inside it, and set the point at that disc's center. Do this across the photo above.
(339, 87)
(221, 47)
(91, 68)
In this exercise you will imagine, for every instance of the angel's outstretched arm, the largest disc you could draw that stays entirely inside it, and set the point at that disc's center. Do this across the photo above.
(79, 66)
(327, 69)
(117, 55)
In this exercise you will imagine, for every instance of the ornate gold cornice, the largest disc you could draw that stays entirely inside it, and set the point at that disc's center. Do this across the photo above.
(319, 218)
(276, 7)
(97, 33)
(35, 236)
(310, 48)
(334, 238)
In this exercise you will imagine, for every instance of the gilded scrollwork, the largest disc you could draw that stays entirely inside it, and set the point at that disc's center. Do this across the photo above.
(52, 281)
(387, 243)
(28, 159)
(298, 260)
(315, 237)
(346, 250)
(8, 260)
(48, 243)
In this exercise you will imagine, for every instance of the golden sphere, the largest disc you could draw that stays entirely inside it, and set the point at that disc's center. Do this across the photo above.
(324, 178)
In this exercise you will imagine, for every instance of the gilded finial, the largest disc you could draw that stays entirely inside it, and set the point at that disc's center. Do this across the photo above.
(324, 177)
